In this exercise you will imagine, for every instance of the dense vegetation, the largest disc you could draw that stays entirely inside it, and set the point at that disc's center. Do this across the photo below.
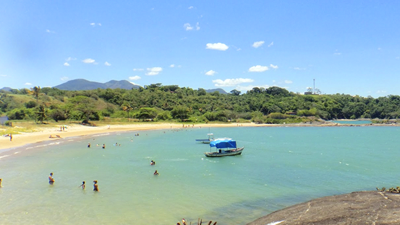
(156, 102)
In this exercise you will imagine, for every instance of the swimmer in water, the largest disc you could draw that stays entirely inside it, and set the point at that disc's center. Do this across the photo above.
(104, 146)
(83, 185)
(156, 173)
(95, 186)
(51, 179)
(152, 163)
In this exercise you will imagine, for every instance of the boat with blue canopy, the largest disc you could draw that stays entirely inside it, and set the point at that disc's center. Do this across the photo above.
(225, 147)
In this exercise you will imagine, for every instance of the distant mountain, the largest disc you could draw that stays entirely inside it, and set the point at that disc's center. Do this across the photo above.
(82, 84)
(6, 89)
(221, 91)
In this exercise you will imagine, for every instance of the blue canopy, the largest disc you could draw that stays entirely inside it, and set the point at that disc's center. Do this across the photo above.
(223, 143)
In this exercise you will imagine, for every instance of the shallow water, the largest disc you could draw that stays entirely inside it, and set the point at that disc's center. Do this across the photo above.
(279, 167)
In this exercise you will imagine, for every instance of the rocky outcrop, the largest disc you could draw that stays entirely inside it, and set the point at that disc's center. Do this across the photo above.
(367, 207)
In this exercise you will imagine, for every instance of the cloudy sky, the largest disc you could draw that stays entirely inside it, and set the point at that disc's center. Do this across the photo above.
(350, 47)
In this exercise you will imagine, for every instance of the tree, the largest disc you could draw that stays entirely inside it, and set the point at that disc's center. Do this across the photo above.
(86, 107)
(181, 112)
(146, 113)
(35, 92)
(41, 113)
(126, 107)
(235, 92)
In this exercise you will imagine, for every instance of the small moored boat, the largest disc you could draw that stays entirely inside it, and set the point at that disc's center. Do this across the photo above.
(226, 147)
(208, 140)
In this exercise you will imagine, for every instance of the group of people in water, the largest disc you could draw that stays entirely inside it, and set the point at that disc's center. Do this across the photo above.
(154, 163)
(83, 185)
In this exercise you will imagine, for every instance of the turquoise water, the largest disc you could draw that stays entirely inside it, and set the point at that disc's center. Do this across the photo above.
(279, 167)
(355, 122)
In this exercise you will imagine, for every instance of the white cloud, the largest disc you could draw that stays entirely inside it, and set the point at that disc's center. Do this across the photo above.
(187, 26)
(258, 44)
(190, 7)
(27, 83)
(217, 46)
(89, 60)
(3, 75)
(272, 43)
(153, 71)
(337, 53)
(49, 31)
(231, 82)
(258, 68)
(64, 78)
(298, 68)
(137, 69)
(197, 26)
(172, 66)
(288, 81)
(94, 24)
(107, 64)
(69, 59)
(273, 66)
(66, 64)
(135, 78)
(210, 73)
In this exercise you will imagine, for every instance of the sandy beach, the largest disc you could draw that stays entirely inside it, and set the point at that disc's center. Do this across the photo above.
(54, 133)
(51, 133)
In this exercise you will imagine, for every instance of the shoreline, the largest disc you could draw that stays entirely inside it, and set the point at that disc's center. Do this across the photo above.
(54, 133)
(76, 130)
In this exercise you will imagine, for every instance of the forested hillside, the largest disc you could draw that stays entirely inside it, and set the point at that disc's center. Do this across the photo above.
(162, 103)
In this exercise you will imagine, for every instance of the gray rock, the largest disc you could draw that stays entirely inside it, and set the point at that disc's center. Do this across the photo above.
(366, 207)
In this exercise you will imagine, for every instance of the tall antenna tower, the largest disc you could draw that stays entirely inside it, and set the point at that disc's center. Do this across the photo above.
(314, 87)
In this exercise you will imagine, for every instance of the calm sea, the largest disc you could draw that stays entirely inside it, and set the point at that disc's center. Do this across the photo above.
(280, 166)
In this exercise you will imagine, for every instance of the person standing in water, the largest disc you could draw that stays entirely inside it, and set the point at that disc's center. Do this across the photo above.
(83, 185)
(51, 179)
(95, 186)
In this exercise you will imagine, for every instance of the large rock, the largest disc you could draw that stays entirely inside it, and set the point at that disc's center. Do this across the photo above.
(367, 207)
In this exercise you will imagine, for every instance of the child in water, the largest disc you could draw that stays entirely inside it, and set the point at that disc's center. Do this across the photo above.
(95, 186)
(51, 179)
(83, 185)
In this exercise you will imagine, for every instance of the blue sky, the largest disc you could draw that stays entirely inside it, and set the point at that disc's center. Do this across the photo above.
(350, 47)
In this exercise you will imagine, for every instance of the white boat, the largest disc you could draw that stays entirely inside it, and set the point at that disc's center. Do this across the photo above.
(208, 140)
(226, 147)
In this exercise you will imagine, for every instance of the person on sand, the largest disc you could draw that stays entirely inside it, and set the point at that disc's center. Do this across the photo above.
(95, 186)
(83, 185)
(10, 137)
(0, 182)
(156, 173)
(51, 179)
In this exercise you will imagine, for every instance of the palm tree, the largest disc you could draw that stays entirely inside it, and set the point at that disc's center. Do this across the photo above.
(35, 92)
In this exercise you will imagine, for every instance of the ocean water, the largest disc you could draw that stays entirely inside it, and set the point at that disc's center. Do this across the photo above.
(279, 167)
(355, 122)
